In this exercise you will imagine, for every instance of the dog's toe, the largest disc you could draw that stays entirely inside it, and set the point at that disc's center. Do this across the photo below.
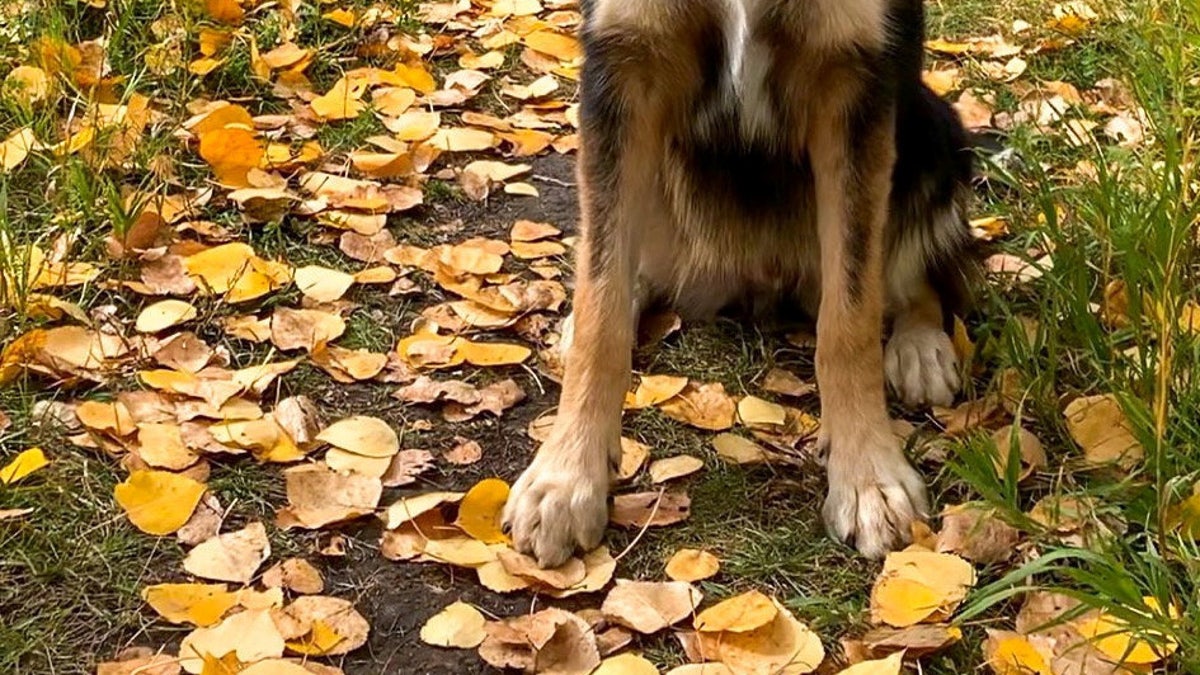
(921, 366)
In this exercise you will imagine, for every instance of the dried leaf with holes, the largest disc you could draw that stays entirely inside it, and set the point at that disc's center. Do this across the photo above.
(234, 556)
(650, 509)
(648, 607)
(318, 496)
(689, 564)
(459, 625)
(158, 502)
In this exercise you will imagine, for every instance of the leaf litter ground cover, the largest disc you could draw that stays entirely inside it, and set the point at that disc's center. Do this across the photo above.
(290, 325)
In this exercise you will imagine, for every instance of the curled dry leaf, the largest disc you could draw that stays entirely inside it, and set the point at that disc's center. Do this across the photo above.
(780, 381)
(408, 508)
(204, 524)
(633, 456)
(914, 641)
(550, 641)
(1030, 450)
(650, 509)
(689, 564)
(562, 577)
(598, 566)
(233, 556)
(406, 466)
(648, 606)
(465, 451)
(459, 625)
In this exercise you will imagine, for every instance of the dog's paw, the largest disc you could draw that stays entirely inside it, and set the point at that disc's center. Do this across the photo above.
(874, 493)
(558, 505)
(921, 366)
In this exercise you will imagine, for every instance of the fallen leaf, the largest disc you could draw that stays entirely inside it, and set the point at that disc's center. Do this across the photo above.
(890, 665)
(652, 509)
(295, 574)
(304, 328)
(562, 577)
(653, 390)
(663, 470)
(649, 606)
(251, 635)
(780, 381)
(322, 284)
(465, 451)
(318, 496)
(408, 508)
(633, 456)
(976, 533)
(459, 625)
(784, 645)
(626, 664)
(1099, 425)
(22, 465)
(158, 502)
(233, 556)
(319, 625)
(362, 435)
(163, 315)
(739, 450)
(1030, 450)
(1010, 653)
(916, 586)
(689, 564)
(197, 604)
(705, 406)
(738, 614)
(480, 512)
(754, 411)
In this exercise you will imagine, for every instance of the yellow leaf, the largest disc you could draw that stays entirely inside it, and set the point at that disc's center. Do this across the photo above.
(654, 389)
(342, 17)
(158, 502)
(225, 11)
(560, 46)
(1010, 653)
(343, 101)
(459, 625)
(756, 411)
(413, 125)
(321, 640)
(366, 436)
(493, 353)
(626, 664)
(27, 84)
(232, 152)
(1113, 637)
(163, 315)
(112, 417)
(670, 468)
(901, 602)
(16, 148)
(784, 645)
(480, 511)
(416, 77)
(22, 465)
(1100, 427)
(704, 406)
(197, 604)
(739, 450)
(689, 564)
(322, 284)
(738, 614)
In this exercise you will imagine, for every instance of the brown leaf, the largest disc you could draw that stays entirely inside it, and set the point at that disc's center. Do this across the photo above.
(1099, 425)
(140, 661)
(304, 328)
(784, 382)
(564, 576)
(295, 574)
(705, 406)
(653, 508)
(916, 641)
(405, 467)
(318, 496)
(234, 556)
(649, 607)
(204, 524)
(465, 451)
(305, 614)
(550, 641)
(977, 534)
(368, 249)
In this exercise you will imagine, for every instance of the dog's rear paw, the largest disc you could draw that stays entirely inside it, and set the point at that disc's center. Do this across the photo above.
(874, 494)
(922, 367)
(556, 507)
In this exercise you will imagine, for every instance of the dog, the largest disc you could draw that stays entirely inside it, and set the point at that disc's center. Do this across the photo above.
(761, 148)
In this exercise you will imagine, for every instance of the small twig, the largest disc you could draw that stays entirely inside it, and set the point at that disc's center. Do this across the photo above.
(645, 526)
(553, 181)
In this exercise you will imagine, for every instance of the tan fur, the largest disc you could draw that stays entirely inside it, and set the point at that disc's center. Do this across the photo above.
(694, 252)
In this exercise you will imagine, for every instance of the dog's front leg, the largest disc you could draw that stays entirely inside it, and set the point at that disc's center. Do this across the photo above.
(559, 504)
(874, 494)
